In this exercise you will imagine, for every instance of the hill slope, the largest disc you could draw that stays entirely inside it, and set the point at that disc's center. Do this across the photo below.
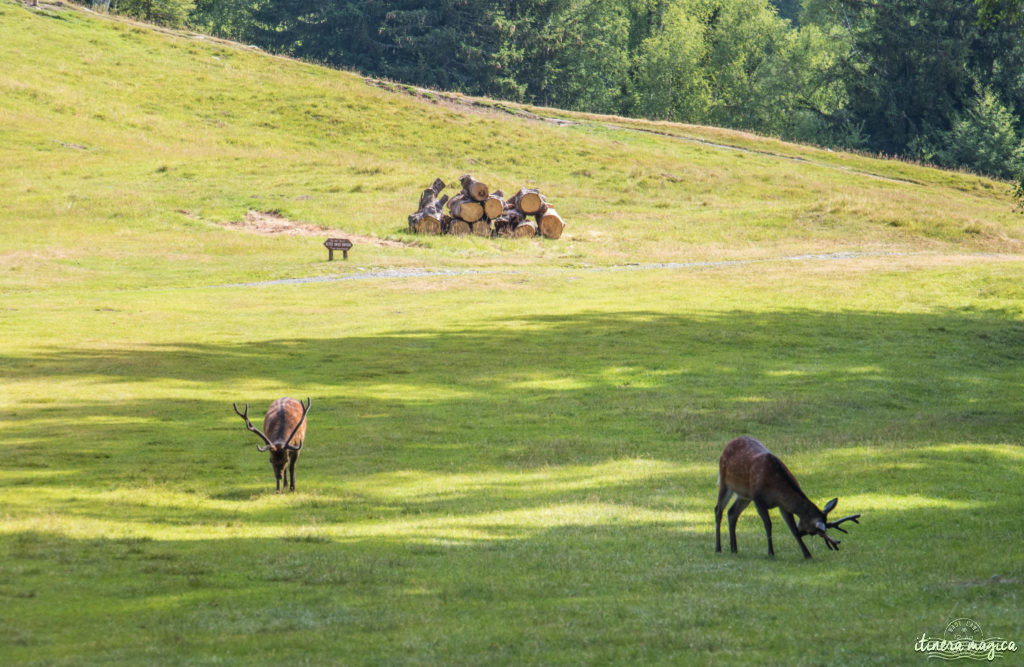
(118, 139)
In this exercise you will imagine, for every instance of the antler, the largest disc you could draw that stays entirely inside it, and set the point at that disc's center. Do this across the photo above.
(832, 543)
(248, 425)
(305, 409)
(835, 524)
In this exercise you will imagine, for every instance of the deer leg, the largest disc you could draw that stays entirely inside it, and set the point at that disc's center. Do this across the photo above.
(291, 468)
(734, 513)
(788, 517)
(724, 496)
(763, 511)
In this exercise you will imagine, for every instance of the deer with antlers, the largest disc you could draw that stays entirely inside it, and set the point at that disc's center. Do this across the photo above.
(750, 472)
(285, 422)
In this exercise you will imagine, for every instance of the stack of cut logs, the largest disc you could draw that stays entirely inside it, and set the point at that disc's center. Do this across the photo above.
(476, 210)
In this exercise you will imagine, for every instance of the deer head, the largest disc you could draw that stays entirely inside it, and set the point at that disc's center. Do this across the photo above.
(818, 525)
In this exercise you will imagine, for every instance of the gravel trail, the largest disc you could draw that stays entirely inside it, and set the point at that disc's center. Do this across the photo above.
(399, 274)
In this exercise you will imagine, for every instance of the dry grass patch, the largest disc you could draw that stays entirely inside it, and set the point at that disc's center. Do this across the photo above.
(272, 223)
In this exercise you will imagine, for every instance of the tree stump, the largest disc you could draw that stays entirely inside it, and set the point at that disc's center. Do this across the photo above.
(459, 227)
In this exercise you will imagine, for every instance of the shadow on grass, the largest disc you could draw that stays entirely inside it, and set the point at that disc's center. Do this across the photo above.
(538, 394)
(549, 390)
(500, 503)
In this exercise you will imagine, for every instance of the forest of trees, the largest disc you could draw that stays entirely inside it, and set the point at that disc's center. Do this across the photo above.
(936, 80)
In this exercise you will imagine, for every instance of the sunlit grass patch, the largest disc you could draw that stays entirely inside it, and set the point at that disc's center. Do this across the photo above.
(889, 503)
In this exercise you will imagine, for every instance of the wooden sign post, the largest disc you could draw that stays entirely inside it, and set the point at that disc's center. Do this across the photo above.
(344, 245)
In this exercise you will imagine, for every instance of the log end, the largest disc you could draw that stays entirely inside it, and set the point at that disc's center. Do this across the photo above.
(428, 226)
(550, 224)
(459, 227)
(530, 202)
(525, 230)
(478, 191)
(472, 211)
(493, 207)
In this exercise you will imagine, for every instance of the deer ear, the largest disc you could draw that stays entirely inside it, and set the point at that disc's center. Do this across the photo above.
(829, 506)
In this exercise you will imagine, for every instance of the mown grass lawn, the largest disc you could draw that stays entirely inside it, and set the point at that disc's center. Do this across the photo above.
(513, 469)
(511, 462)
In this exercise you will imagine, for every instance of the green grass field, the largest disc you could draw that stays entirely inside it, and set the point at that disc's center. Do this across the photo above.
(512, 447)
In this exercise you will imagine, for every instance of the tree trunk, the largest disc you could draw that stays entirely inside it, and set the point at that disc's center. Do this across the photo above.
(550, 223)
(459, 227)
(473, 188)
(426, 225)
(430, 218)
(462, 207)
(431, 193)
(528, 201)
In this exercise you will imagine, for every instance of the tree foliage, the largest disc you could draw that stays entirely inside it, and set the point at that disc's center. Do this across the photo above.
(985, 138)
(173, 13)
(669, 79)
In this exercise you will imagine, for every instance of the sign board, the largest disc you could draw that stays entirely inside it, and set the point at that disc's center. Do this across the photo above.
(344, 245)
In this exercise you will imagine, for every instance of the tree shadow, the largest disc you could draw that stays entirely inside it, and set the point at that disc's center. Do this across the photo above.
(558, 395)
(576, 592)
(593, 377)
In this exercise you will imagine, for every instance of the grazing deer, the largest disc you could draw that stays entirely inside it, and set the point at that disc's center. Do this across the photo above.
(285, 422)
(748, 470)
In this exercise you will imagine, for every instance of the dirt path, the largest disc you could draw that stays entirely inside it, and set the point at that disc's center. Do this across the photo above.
(273, 224)
(497, 107)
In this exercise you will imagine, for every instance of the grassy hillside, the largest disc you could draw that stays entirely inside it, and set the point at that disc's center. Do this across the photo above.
(121, 140)
(512, 446)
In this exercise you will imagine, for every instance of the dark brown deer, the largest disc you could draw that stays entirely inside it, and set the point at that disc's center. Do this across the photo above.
(749, 471)
(285, 422)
